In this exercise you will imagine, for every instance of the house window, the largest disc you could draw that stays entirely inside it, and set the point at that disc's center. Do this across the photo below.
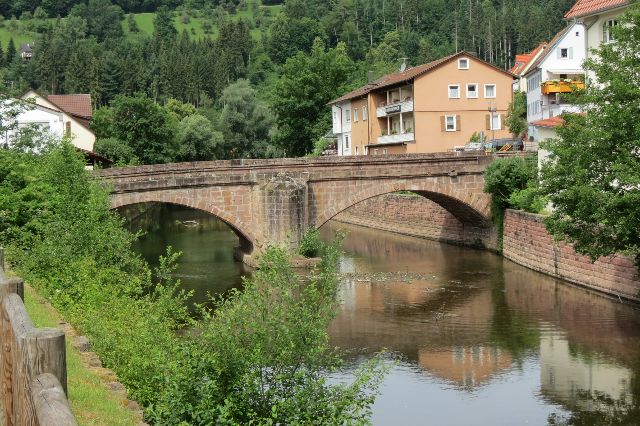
(454, 91)
(375, 151)
(346, 142)
(347, 116)
(450, 123)
(489, 90)
(67, 129)
(356, 150)
(564, 53)
(384, 151)
(472, 90)
(496, 122)
(355, 115)
(607, 37)
(463, 64)
(364, 114)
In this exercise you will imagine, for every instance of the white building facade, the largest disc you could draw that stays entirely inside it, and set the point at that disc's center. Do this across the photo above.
(341, 117)
(556, 72)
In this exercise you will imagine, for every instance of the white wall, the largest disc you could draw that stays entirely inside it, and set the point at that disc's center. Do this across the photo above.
(575, 41)
(343, 148)
(51, 121)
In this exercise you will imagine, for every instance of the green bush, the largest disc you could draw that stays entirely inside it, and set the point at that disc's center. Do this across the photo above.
(512, 183)
(262, 356)
(311, 245)
(505, 176)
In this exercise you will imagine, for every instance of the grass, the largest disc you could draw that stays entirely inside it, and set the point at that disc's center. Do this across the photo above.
(91, 402)
(145, 27)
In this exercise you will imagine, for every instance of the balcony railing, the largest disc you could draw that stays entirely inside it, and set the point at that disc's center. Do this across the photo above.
(550, 87)
(398, 138)
(395, 108)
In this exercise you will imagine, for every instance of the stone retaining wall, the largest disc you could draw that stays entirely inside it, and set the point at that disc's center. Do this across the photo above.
(418, 217)
(527, 242)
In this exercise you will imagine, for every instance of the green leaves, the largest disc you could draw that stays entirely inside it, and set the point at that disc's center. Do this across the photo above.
(593, 173)
(307, 84)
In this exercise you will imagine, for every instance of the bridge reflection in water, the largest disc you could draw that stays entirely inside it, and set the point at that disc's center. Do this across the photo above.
(479, 340)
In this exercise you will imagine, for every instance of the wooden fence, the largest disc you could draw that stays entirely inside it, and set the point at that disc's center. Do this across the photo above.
(33, 364)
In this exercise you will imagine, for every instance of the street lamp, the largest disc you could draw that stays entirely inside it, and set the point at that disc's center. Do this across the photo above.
(492, 110)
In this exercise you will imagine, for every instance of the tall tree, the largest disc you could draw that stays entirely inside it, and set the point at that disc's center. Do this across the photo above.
(300, 96)
(11, 51)
(163, 27)
(246, 123)
(593, 173)
(144, 125)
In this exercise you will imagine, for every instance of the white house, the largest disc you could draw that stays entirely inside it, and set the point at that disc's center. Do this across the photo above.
(341, 117)
(76, 113)
(598, 17)
(557, 71)
(38, 116)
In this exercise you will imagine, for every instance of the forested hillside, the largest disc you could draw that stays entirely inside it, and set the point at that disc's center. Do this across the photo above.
(296, 58)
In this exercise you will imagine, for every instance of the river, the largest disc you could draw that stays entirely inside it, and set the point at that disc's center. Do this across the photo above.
(474, 338)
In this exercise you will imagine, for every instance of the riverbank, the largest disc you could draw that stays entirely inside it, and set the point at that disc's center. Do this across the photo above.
(95, 396)
(525, 241)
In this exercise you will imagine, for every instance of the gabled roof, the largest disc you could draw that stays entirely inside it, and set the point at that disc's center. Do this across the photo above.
(525, 59)
(549, 48)
(591, 7)
(408, 75)
(83, 120)
(26, 47)
(78, 105)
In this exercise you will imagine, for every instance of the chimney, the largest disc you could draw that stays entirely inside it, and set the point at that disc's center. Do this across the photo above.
(369, 76)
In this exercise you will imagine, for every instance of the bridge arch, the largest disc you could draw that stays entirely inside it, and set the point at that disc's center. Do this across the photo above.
(469, 207)
(248, 240)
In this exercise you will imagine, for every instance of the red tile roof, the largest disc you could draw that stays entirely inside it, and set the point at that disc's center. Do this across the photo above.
(78, 105)
(408, 75)
(591, 7)
(549, 122)
(523, 60)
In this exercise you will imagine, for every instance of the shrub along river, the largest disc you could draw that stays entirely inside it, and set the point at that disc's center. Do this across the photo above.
(477, 339)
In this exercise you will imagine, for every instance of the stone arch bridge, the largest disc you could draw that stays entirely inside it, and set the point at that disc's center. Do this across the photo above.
(275, 201)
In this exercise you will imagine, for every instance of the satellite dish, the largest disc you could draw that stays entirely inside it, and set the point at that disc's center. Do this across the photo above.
(403, 67)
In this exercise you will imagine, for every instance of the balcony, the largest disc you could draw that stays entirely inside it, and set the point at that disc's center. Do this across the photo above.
(551, 87)
(395, 108)
(396, 139)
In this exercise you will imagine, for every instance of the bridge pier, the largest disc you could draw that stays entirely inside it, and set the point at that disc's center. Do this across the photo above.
(284, 200)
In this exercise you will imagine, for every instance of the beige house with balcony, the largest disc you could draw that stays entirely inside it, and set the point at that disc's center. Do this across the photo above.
(428, 108)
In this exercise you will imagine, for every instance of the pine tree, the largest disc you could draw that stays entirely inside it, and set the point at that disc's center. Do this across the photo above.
(11, 51)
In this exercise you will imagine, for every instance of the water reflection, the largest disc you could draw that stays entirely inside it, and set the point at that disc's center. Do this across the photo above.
(477, 328)
(206, 265)
(478, 340)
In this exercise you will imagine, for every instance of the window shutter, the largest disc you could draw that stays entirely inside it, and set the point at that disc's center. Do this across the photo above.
(458, 128)
(501, 122)
(488, 117)
(571, 53)
(559, 53)
(443, 123)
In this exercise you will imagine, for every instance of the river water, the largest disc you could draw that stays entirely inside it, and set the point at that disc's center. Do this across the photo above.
(474, 339)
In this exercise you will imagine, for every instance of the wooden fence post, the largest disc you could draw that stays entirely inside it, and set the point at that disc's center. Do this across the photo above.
(50, 401)
(13, 286)
(41, 351)
(2, 259)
